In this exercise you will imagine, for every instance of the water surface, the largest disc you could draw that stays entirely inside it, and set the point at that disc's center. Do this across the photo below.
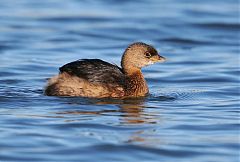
(192, 113)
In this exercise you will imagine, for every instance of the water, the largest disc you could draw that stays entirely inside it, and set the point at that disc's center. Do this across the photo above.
(192, 113)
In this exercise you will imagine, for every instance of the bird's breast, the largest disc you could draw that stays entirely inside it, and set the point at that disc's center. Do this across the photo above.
(136, 85)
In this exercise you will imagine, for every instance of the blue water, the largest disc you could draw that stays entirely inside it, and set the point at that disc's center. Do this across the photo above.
(192, 113)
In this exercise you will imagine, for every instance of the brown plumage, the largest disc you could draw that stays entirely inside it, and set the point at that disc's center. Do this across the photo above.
(99, 79)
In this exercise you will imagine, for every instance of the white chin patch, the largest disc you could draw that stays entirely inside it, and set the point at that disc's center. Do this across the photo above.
(150, 62)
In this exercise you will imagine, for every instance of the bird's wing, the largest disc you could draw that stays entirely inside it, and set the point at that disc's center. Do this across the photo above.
(95, 71)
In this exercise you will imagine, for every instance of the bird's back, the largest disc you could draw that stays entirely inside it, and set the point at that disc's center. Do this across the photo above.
(95, 71)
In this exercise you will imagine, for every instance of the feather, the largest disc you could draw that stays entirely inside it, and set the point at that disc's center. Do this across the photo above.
(95, 71)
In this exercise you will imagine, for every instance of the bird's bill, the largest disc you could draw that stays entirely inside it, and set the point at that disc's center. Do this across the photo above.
(158, 58)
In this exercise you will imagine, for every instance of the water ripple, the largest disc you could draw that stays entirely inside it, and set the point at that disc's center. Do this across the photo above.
(191, 113)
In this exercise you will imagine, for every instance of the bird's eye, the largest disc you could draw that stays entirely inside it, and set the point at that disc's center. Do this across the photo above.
(148, 54)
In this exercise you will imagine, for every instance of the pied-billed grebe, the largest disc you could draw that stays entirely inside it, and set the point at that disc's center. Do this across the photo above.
(99, 79)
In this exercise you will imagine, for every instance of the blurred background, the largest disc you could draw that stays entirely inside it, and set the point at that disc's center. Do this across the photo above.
(192, 113)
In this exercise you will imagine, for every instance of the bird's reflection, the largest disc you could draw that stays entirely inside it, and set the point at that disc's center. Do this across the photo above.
(131, 111)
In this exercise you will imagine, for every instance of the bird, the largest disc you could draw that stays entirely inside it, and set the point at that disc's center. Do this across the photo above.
(95, 78)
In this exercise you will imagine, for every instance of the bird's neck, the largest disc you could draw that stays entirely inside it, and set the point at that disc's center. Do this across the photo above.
(128, 63)
(135, 83)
